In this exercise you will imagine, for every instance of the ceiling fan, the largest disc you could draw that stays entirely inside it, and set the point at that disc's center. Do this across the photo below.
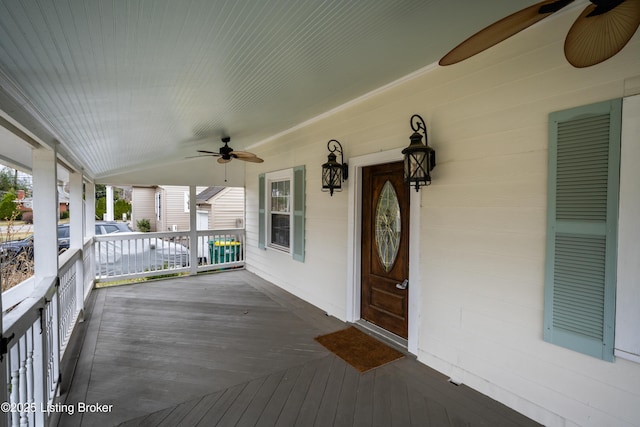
(226, 153)
(600, 32)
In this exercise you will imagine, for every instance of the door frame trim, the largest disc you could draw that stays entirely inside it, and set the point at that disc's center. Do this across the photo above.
(354, 238)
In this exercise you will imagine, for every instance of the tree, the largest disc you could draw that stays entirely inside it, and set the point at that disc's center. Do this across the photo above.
(101, 207)
(101, 191)
(8, 207)
(120, 206)
(10, 180)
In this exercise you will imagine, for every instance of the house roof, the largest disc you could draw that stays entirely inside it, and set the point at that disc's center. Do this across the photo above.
(208, 193)
(126, 91)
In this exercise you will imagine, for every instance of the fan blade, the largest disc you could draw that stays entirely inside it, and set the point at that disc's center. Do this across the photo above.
(223, 160)
(208, 152)
(202, 155)
(242, 154)
(597, 36)
(253, 159)
(502, 30)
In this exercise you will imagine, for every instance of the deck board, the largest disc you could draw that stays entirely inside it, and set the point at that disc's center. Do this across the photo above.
(381, 409)
(363, 411)
(236, 410)
(231, 349)
(200, 409)
(346, 404)
(291, 409)
(309, 407)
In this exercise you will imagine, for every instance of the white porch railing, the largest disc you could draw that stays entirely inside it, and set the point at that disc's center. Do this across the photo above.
(122, 256)
(38, 328)
(35, 336)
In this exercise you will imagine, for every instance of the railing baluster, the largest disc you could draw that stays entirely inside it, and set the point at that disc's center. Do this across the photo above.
(40, 365)
(22, 388)
(131, 264)
(29, 364)
(14, 396)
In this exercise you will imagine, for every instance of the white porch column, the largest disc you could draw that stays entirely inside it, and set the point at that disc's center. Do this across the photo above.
(45, 213)
(90, 230)
(109, 203)
(76, 235)
(193, 231)
(76, 209)
(90, 209)
(45, 246)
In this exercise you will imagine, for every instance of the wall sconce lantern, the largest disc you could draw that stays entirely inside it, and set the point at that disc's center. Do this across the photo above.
(333, 173)
(419, 158)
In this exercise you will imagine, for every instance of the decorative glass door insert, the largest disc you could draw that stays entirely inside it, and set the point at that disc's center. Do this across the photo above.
(387, 226)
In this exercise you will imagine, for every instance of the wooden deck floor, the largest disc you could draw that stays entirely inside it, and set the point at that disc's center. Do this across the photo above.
(231, 349)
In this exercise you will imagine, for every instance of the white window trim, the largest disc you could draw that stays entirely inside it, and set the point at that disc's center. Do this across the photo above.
(158, 201)
(186, 202)
(627, 341)
(271, 177)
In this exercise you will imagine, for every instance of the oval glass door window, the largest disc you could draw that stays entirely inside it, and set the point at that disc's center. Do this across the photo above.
(388, 226)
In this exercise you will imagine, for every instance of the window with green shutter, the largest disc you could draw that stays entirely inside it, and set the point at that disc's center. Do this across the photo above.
(281, 211)
(584, 165)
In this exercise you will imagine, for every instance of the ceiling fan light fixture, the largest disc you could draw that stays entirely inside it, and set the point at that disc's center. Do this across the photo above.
(226, 153)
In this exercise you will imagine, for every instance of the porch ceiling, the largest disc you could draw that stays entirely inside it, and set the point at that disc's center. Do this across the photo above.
(129, 88)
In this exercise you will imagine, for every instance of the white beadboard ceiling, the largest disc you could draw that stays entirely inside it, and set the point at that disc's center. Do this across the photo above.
(126, 84)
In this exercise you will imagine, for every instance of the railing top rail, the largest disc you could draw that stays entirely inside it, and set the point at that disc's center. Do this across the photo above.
(23, 290)
(18, 293)
(19, 320)
(163, 234)
(67, 257)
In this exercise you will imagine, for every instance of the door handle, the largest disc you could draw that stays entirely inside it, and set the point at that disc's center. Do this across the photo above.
(403, 285)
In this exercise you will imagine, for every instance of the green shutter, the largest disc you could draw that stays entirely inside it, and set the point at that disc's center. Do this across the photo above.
(262, 231)
(298, 212)
(580, 279)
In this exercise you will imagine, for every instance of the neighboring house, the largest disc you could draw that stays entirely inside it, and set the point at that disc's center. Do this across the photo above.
(167, 207)
(223, 207)
(25, 204)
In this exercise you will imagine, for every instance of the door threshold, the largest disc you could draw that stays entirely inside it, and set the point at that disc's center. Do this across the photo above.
(386, 336)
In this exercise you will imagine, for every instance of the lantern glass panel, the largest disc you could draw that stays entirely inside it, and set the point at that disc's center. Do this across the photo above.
(332, 177)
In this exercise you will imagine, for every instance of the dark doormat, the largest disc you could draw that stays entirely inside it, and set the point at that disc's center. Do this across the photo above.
(358, 349)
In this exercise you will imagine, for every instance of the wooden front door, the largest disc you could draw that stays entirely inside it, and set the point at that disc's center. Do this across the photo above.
(385, 248)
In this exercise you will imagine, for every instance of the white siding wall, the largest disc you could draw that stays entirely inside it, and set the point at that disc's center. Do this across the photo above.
(482, 221)
(174, 203)
(174, 207)
(143, 206)
(227, 208)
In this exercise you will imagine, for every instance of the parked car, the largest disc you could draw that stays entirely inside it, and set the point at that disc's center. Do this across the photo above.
(102, 227)
(11, 250)
(139, 254)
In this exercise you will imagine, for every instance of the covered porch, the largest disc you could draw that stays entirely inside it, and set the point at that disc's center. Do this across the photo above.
(231, 348)
(152, 93)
